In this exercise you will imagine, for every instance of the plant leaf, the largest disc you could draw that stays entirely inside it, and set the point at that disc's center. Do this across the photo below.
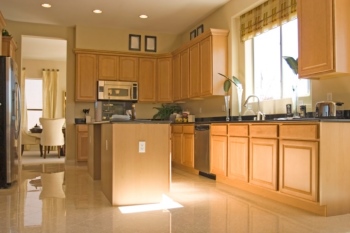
(293, 63)
(227, 85)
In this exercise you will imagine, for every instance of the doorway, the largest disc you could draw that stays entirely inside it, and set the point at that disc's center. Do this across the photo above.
(41, 55)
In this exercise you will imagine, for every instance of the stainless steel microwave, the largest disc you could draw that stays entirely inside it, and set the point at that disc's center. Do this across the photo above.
(117, 90)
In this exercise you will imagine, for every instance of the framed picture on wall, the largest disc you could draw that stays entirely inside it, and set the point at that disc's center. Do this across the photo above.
(193, 34)
(200, 30)
(150, 44)
(134, 42)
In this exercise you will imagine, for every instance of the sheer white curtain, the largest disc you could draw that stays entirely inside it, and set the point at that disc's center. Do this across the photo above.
(23, 100)
(50, 79)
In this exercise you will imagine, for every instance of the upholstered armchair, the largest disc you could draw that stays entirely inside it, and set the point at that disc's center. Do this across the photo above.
(30, 139)
(52, 134)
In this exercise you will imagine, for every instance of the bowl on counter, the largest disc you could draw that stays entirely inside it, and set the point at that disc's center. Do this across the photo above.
(36, 129)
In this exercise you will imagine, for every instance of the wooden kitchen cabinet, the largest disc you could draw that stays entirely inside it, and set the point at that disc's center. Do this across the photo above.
(185, 74)
(176, 77)
(164, 80)
(86, 77)
(299, 160)
(188, 147)
(183, 145)
(194, 78)
(218, 149)
(82, 140)
(263, 154)
(108, 67)
(94, 151)
(238, 152)
(9, 47)
(263, 162)
(324, 35)
(299, 169)
(128, 68)
(147, 79)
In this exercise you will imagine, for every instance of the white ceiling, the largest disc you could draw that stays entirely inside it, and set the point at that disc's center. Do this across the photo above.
(165, 16)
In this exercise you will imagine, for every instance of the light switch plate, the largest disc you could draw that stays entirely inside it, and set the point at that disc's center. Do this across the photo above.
(142, 147)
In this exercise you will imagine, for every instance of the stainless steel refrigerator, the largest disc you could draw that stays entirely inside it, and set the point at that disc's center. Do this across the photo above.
(10, 120)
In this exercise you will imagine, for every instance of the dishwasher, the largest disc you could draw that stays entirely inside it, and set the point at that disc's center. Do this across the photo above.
(201, 150)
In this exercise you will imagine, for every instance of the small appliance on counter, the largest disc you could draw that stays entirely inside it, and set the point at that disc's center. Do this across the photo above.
(104, 110)
(327, 109)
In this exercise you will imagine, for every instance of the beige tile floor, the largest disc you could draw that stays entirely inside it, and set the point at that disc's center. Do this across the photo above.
(206, 207)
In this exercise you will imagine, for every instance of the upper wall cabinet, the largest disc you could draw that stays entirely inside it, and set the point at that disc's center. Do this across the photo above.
(147, 79)
(128, 68)
(108, 67)
(86, 77)
(324, 38)
(164, 80)
(201, 60)
(9, 47)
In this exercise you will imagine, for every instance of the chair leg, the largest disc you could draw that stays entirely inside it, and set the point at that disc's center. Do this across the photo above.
(59, 151)
(44, 152)
(41, 150)
(22, 149)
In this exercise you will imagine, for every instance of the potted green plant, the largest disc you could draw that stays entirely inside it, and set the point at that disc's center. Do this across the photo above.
(166, 110)
(293, 64)
(227, 86)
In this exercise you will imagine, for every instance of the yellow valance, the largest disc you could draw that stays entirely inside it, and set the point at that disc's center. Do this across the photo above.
(266, 16)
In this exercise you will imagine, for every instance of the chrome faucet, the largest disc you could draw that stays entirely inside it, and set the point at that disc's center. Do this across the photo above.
(260, 115)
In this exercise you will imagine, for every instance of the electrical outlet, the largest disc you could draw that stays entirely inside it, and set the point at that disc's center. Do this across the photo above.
(200, 109)
(142, 147)
(329, 96)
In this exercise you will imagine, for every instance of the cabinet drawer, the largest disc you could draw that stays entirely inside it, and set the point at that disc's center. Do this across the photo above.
(82, 128)
(188, 129)
(260, 130)
(300, 131)
(218, 129)
(177, 128)
(238, 130)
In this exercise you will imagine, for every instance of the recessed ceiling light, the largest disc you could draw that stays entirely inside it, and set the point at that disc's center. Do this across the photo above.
(97, 11)
(143, 16)
(46, 5)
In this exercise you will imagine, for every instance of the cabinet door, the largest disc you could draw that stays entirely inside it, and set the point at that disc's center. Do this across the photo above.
(185, 74)
(108, 67)
(176, 148)
(128, 68)
(299, 168)
(177, 77)
(86, 78)
(263, 163)
(147, 79)
(164, 80)
(206, 67)
(237, 167)
(218, 155)
(188, 150)
(315, 26)
(194, 71)
(82, 138)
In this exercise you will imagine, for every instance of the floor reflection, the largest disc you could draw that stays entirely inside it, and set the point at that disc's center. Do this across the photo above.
(58, 198)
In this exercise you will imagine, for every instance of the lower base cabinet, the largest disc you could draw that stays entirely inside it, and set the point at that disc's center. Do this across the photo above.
(263, 162)
(237, 164)
(183, 145)
(218, 155)
(299, 168)
(82, 140)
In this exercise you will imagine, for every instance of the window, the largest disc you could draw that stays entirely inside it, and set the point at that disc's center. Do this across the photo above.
(272, 77)
(34, 97)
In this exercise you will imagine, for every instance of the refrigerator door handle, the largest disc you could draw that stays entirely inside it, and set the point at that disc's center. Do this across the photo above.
(18, 116)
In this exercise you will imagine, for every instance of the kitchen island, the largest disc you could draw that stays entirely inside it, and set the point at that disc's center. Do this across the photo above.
(135, 161)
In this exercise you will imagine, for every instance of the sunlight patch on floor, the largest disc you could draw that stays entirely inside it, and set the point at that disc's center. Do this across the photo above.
(167, 203)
